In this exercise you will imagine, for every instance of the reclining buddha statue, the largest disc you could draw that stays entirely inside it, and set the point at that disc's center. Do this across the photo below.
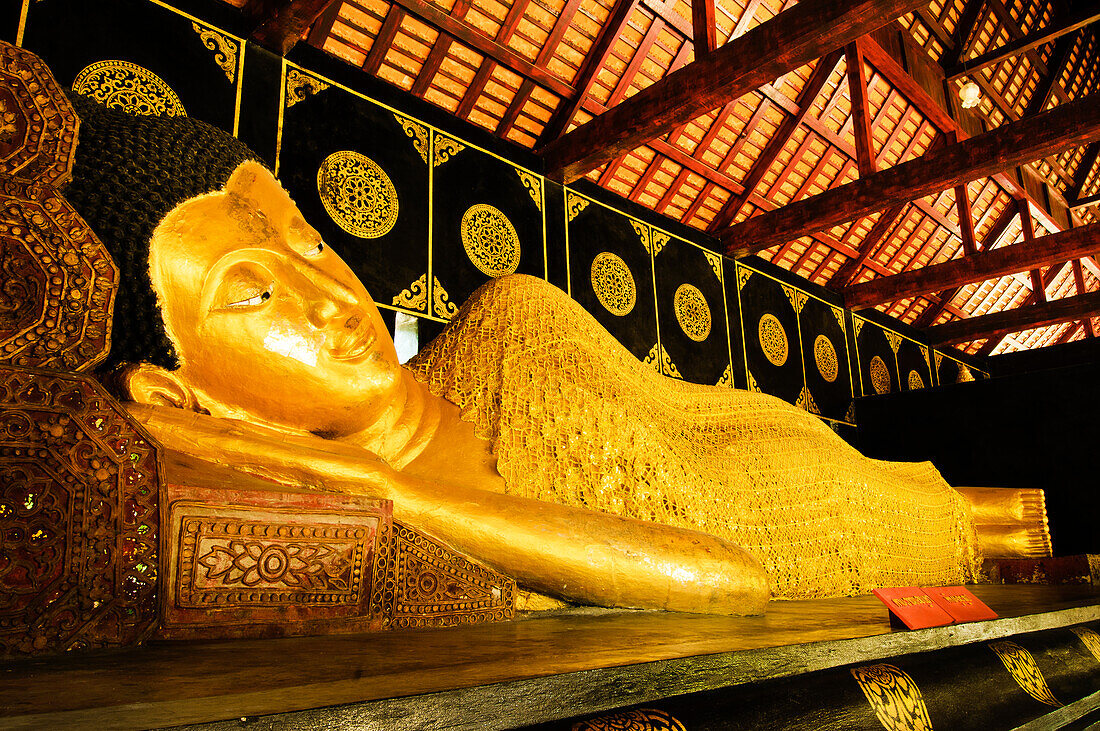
(524, 436)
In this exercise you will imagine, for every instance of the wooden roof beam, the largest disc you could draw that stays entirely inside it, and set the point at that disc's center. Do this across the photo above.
(999, 324)
(1047, 280)
(283, 22)
(775, 145)
(861, 112)
(1079, 282)
(702, 24)
(590, 67)
(1065, 126)
(792, 39)
(1042, 251)
(849, 269)
(1024, 43)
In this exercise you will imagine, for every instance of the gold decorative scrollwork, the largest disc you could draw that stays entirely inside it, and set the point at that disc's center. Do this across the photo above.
(895, 698)
(753, 385)
(743, 274)
(574, 204)
(225, 49)
(838, 313)
(658, 240)
(490, 240)
(613, 283)
(533, 184)
(796, 296)
(1024, 670)
(418, 133)
(916, 383)
(1089, 638)
(727, 378)
(444, 148)
(894, 339)
(850, 415)
(715, 262)
(133, 89)
(299, 86)
(825, 358)
(659, 358)
(441, 301)
(773, 339)
(806, 401)
(415, 296)
(692, 312)
(857, 324)
(939, 360)
(643, 233)
(638, 719)
(880, 375)
(357, 194)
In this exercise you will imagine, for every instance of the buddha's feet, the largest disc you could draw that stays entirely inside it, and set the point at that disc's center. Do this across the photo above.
(1011, 523)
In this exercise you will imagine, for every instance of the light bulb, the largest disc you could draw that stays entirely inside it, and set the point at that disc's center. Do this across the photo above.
(970, 95)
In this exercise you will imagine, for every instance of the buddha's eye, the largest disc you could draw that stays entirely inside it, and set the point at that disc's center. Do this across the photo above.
(257, 299)
(316, 250)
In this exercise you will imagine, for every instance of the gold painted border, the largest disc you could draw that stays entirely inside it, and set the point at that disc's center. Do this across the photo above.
(932, 351)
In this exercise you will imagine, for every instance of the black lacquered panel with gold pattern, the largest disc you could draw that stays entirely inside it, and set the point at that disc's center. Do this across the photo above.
(769, 323)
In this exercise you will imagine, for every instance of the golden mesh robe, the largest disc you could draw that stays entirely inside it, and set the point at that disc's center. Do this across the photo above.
(576, 419)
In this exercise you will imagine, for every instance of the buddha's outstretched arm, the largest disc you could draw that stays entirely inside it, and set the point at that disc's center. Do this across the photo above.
(579, 555)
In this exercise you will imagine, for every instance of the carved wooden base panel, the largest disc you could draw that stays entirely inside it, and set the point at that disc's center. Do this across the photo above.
(79, 517)
(246, 558)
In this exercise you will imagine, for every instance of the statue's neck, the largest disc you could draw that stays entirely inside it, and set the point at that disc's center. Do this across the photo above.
(406, 426)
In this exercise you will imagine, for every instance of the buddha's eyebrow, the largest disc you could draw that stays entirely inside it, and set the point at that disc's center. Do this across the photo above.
(249, 218)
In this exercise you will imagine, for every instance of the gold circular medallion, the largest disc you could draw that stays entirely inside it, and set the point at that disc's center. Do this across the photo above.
(357, 194)
(613, 283)
(692, 312)
(880, 375)
(825, 357)
(490, 240)
(133, 89)
(773, 339)
(915, 381)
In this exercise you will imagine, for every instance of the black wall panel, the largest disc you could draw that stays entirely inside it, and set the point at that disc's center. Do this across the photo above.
(825, 353)
(769, 319)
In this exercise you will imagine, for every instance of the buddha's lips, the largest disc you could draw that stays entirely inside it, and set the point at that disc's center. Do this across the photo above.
(356, 345)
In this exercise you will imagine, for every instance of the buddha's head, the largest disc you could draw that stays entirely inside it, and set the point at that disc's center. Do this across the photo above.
(230, 302)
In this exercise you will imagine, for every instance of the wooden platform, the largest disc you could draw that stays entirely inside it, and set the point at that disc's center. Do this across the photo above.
(528, 671)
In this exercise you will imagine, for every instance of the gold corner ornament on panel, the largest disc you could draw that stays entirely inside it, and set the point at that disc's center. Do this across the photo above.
(357, 194)
(894, 339)
(894, 697)
(825, 358)
(880, 375)
(658, 239)
(490, 240)
(838, 313)
(613, 283)
(574, 204)
(659, 358)
(444, 148)
(726, 381)
(753, 385)
(637, 719)
(857, 324)
(441, 301)
(300, 86)
(743, 274)
(715, 262)
(806, 401)
(225, 49)
(643, 234)
(939, 359)
(1025, 671)
(133, 89)
(692, 312)
(1089, 639)
(416, 132)
(415, 296)
(533, 184)
(797, 297)
(773, 339)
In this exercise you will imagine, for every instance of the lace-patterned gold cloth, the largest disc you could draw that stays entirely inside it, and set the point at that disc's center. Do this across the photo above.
(576, 419)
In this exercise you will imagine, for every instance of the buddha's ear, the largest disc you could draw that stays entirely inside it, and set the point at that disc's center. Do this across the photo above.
(156, 386)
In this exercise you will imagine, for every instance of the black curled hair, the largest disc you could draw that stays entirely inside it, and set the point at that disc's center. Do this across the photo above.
(130, 171)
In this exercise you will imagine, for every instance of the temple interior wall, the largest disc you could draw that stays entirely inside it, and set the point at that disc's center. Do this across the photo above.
(454, 205)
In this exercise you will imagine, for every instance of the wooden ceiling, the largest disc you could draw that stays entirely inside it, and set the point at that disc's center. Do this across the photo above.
(785, 103)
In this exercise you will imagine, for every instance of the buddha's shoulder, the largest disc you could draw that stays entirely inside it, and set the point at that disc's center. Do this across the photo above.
(519, 286)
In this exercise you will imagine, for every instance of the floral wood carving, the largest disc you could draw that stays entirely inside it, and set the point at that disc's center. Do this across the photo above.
(79, 517)
(58, 286)
(37, 122)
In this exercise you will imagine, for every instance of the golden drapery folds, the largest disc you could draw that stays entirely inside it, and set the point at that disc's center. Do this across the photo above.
(576, 419)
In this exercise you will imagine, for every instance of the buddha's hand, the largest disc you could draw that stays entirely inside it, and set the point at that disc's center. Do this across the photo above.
(302, 460)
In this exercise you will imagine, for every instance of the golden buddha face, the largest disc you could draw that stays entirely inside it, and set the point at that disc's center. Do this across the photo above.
(269, 324)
